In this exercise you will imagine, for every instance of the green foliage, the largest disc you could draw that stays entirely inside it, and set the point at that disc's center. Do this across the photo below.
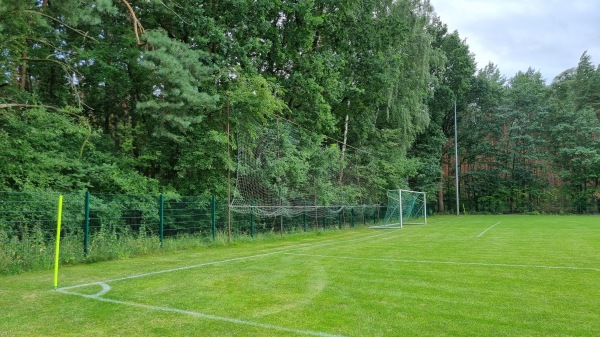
(575, 131)
(175, 102)
(57, 152)
(102, 96)
(529, 147)
(41, 150)
(427, 151)
(451, 71)
(524, 143)
(162, 105)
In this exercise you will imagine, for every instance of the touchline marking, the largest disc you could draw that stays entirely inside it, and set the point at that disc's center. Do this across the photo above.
(168, 270)
(492, 226)
(333, 242)
(211, 263)
(200, 315)
(446, 220)
(449, 262)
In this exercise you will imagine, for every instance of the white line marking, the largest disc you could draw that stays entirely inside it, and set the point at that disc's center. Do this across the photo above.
(201, 315)
(168, 270)
(215, 262)
(449, 262)
(454, 218)
(492, 226)
(106, 288)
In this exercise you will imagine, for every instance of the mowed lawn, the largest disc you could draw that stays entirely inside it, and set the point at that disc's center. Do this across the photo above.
(456, 276)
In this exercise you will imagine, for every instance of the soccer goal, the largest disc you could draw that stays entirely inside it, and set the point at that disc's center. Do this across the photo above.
(405, 208)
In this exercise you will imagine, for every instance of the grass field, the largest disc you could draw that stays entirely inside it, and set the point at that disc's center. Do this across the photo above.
(456, 276)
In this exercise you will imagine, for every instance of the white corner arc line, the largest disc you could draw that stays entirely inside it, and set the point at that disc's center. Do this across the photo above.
(105, 288)
(206, 316)
(492, 226)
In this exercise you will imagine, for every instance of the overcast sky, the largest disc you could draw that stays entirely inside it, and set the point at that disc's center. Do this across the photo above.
(547, 35)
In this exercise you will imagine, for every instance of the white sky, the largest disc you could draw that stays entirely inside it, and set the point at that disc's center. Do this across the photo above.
(547, 35)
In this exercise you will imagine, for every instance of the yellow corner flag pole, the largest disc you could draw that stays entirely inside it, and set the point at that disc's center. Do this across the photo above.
(57, 250)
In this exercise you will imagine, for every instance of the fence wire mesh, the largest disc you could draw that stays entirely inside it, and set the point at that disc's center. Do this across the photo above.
(104, 226)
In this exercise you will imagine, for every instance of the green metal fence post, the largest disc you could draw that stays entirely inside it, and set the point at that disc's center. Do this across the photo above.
(352, 217)
(161, 220)
(214, 217)
(375, 214)
(251, 222)
(86, 224)
(364, 222)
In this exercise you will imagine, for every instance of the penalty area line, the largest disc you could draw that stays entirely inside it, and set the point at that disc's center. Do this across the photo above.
(492, 226)
(205, 316)
(484, 264)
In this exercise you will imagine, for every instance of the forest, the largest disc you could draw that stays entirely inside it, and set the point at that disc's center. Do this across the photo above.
(152, 96)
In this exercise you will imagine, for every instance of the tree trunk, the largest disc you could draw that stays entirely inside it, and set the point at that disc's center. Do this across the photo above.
(23, 72)
(441, 194)
(597, 195)
(341, 175)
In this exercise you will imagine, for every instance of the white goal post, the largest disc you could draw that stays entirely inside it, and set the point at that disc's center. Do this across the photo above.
(405, 208)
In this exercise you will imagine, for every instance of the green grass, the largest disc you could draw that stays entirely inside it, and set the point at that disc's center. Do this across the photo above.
(467, 276)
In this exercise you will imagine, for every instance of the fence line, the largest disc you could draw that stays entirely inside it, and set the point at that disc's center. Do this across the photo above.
(103, 226)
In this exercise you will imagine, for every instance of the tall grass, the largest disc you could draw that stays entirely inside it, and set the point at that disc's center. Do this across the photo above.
(34, 250)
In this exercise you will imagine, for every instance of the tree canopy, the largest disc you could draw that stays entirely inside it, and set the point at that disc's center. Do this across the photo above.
(143, 96)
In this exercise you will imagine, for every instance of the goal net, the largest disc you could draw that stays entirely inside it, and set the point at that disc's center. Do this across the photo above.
(287, 174)
(405, 208)
(276, 176)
